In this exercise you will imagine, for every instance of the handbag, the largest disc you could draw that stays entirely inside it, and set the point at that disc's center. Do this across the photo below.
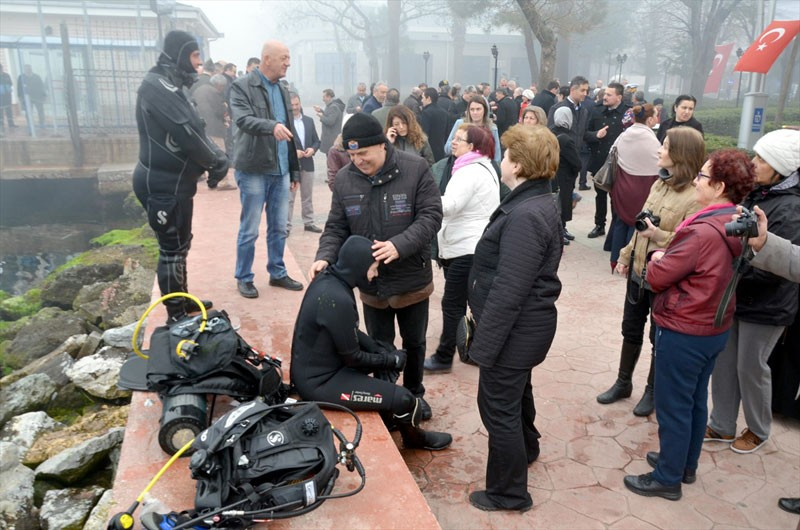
(464, 333)
(604, 178)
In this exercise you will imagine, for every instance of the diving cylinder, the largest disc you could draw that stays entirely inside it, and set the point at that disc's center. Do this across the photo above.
(183, 417)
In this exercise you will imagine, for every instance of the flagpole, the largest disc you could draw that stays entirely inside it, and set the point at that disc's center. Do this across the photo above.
(754, 104)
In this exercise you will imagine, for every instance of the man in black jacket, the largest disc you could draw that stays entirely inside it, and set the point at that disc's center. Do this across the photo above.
(435, 122)
(331, 357)
(266, 165)
(506, 114)
(546, 98)
(609, 115)
(390, 197)
(306, 143)
(173, 152)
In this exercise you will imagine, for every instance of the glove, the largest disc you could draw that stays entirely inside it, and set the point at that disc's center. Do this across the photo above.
(218, 172)
(396, 360)
(389, 376)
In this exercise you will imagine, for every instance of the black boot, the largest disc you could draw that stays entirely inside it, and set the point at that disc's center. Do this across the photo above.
(192, 307)
(647, 403)
(176, 310)
(622, 387)
(416, 438)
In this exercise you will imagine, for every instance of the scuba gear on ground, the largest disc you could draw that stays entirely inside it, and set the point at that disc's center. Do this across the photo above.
(260, 462)
(182, 418)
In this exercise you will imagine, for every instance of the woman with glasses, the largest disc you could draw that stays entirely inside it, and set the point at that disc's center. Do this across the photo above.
(671, 200)
(693, 319)
(472, 194)
(477, 114)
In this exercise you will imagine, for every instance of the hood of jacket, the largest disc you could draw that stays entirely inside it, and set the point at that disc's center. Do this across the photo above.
(353, 262)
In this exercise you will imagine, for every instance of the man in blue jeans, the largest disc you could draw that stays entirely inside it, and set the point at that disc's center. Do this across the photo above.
(266, 165)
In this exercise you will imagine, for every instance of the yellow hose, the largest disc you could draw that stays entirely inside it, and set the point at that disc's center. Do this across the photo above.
(193, 298)
(152, 483)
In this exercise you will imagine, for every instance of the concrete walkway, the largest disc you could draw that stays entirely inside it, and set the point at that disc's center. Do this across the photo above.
(587, 448)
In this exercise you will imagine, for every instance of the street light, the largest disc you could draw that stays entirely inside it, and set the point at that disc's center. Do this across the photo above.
(426, 55)
(620, 61)
(739, 53)
(494, 54)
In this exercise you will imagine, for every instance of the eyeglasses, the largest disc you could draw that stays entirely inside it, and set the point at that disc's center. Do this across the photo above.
(703, 175)
(456, 139)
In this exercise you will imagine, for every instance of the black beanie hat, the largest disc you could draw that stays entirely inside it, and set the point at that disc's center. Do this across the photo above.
(178, 46)
(362, 130)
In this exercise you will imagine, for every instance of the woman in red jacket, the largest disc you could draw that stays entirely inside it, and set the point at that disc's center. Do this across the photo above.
(690, 278)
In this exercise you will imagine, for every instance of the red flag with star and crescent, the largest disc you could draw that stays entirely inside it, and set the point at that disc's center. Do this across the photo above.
(760, 56)
(722, 52)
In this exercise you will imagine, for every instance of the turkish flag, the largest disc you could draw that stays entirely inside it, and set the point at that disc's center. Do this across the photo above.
(769, 45)
(723, 51)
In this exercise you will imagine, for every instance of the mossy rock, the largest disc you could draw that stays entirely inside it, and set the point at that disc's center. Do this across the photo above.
(16, 307)
(116, 246)
(44, 332)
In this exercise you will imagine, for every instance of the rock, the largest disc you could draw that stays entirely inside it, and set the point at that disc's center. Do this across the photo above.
(121, 337)
(30, 393)
(54, 364)
(90, 425)
(10, 329)
(67, 509)
(74, 463)
(64, 287)
(23, 430)
(98, 519)
(44, 332)
(116, 303)
(98, 374)
(16, 491)
(90, 346)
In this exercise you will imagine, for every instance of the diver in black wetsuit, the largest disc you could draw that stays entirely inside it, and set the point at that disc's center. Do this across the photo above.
(173, 152)
(331, 358)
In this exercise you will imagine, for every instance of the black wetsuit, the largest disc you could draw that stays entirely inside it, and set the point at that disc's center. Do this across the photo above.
(173, 152)
(331, 358)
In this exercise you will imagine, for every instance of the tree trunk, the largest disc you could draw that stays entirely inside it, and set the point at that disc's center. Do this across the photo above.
(459, 32)
(393, 7)
(546, 38)
(785, 82)
(533, 64)
(563, 67)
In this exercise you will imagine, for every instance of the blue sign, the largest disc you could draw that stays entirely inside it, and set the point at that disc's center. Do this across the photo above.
(758, 119)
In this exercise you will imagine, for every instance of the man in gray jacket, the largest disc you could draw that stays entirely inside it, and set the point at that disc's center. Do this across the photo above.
(266, 163)
(330, 118)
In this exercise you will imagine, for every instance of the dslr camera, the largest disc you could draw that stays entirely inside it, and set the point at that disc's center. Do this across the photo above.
(745, 226)
(640, 223)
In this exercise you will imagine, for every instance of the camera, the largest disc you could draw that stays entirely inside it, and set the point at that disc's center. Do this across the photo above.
(745, 226)
(640, 223)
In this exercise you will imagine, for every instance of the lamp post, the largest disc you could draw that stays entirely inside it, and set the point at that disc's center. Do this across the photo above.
(608, 75)
(426, 55)
(739, 53)
(667, 64)
(620, 61)
(494, 54)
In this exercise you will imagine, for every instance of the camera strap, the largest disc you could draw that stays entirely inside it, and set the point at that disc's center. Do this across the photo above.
(739, 263)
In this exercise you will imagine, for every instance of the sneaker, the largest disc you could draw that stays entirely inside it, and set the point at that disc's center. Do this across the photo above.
(286, 283)
(247, 289)
(747, 442)
(714, 436)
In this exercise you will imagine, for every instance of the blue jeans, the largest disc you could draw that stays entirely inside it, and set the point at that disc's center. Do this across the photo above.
(256, 193)
(683, 367)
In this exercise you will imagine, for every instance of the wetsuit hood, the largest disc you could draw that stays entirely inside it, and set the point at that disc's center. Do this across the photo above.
(355, 259)
(178, 48)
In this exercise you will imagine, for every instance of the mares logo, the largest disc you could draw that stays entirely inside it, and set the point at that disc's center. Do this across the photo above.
(359, 396)
(161, 216)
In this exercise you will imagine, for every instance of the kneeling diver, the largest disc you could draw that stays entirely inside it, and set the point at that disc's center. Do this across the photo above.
(331, 358)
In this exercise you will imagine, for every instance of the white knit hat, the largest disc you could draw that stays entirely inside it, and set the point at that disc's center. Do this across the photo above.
(781, 150)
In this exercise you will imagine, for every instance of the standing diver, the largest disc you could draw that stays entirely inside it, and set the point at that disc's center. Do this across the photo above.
(331, 358)
(174, 152)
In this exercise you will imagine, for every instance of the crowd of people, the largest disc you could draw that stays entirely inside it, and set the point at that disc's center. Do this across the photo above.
(481, 182)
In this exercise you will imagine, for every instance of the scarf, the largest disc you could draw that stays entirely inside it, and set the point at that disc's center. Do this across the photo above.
(466, 158)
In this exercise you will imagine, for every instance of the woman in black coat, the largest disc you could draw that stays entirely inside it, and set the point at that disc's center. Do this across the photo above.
(569, 165)
(513, 289)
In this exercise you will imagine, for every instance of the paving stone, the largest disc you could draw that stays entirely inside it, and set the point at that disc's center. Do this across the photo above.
(667, 514)
(598, 452)
(729, 486)
(567, 474)
(595, 502)
(632, 523)
(554, 515)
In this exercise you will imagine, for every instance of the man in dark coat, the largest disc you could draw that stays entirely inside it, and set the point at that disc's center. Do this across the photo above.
(306, 142)
(173, 152)
(375, 101)
(435, 122)
(414, 101)
(6, 111)
(506, 114)
(546, 98)
(608, 116)
(332, 358)
(30, 85)
(390, 197)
